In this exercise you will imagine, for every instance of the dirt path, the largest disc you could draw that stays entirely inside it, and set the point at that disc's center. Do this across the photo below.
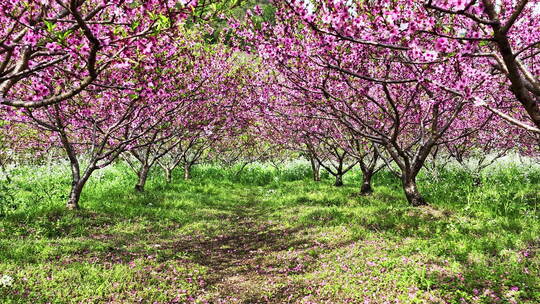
(252, 262)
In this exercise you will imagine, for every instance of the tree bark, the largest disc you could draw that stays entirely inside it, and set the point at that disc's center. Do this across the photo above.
(339, 180)
(74, 195)
(187, 171)
(411, 192)
(527, 98)
(77, 185)
(409, 170)
(77, 181)
(168, 175)
(366, 188)
(143, 176)
(316, 169)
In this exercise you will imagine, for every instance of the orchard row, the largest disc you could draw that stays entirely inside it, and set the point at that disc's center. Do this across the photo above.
(394, 84)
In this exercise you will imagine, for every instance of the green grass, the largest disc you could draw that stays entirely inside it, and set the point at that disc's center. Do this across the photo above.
(268, 236)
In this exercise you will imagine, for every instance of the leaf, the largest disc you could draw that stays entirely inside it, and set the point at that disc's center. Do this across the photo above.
(62, 36)
(50, 26)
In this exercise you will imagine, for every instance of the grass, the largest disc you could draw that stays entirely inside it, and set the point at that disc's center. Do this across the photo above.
(270, 237)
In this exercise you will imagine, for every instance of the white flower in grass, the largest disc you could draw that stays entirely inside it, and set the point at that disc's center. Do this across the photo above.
(6, 281)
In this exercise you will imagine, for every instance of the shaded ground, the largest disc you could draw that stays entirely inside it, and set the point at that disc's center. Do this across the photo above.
(296, 242)
(242, 264)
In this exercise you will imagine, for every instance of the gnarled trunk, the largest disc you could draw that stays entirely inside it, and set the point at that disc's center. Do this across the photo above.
(77, 181)
(368, 165)
(142, 177)
(75, 195)
(411, 192)
(366, 188)
(77, 185)
(410, 167)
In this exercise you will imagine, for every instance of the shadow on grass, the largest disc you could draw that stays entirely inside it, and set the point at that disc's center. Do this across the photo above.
(225, 228)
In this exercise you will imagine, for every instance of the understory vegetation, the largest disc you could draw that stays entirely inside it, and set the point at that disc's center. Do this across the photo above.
(267, 151)
(270, 235)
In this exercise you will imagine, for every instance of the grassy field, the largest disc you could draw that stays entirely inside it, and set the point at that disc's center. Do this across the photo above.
(270, 236)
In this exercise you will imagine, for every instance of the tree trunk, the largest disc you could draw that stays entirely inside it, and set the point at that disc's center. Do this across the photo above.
(411, 192)
(339, 180)
(317, 174)
(77, 186)
(366, 188)
(316, 169)
(187, 171)
(77, 182)
(143, 175)
(75, 194)
(168, 175)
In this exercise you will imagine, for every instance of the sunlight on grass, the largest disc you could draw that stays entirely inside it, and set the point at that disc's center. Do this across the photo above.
(281, 238)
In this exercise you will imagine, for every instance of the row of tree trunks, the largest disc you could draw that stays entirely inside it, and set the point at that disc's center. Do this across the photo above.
(144, 171)
(408, 179)
(367, 175)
